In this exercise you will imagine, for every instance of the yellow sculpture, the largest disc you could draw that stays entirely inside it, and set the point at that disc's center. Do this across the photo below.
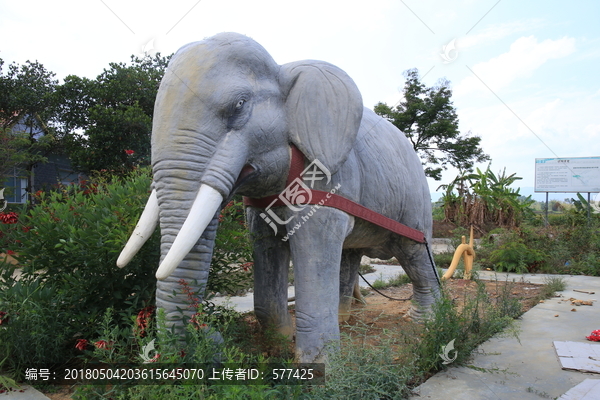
(467, 251)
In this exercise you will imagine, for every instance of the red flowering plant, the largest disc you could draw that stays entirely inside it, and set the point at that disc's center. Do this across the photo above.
(81, 344)
(142, 321)
(4, 317)
(8, 223)
(9, 218)
(196, 319)
(103, 345)
(207, 316)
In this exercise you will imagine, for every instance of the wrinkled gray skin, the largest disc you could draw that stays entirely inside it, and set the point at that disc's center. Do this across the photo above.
(224, 104)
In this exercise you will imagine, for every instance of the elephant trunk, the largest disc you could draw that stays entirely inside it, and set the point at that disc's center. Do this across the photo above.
(202, 212)
(190, 193)
(186, 250)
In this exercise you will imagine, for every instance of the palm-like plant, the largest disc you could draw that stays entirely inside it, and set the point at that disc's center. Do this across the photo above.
(484, 197)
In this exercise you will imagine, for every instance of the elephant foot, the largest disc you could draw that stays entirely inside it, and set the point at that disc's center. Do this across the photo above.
(285, 328)
(344, 310)
(316, 355)
(419, 314)
(287, 331)
(343, 317)
(423, 303)
(357, 294)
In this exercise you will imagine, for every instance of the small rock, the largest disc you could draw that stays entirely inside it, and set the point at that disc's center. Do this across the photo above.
(573, 309)
(556, 315)
(542, 301)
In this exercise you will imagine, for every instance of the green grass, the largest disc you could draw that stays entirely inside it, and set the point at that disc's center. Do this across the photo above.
(552, 284)
(366, 269)
(398, 280)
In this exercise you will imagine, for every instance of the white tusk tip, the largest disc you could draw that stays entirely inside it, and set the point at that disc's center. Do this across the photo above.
(122, 261)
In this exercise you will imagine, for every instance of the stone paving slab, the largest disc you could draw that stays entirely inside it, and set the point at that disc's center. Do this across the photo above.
(24, 392)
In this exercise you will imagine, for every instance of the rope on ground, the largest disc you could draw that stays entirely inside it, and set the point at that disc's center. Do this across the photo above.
(384, 295)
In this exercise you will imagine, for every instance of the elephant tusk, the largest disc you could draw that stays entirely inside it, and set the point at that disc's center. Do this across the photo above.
(206, 204)
(143, 230)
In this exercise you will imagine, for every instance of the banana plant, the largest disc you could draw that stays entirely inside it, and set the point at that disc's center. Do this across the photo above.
(485, 197)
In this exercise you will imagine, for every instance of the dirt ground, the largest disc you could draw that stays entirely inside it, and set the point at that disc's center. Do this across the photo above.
(381, 314)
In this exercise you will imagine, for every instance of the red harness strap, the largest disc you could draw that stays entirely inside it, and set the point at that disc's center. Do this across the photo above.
(336, 201)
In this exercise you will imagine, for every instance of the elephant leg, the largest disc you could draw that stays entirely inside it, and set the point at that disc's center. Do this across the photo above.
(348, 274)
(316, 248)
(271, 266)
(416, 262)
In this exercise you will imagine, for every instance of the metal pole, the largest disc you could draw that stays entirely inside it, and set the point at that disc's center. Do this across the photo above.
(589, 206)
(546, 211)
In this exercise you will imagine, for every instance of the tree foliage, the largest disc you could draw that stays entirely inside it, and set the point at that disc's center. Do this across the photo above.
(428, 118)
(27, 102)
(107, 118)
(25, 91)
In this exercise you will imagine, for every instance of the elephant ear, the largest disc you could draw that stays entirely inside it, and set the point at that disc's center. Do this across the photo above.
(324, 109)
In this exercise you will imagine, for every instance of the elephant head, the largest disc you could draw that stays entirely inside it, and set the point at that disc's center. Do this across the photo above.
(225, 116)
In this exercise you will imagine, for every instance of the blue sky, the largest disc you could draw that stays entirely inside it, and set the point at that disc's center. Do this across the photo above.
(525, 75)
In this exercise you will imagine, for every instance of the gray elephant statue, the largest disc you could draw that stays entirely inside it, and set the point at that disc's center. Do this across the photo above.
(228, 119)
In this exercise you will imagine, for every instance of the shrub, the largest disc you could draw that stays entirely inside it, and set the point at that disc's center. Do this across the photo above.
(516, 257)
(32, 330)
(231, 265)
(67, 246)
(443, 260)
(551, 249)
(202, 344)
(395, 281)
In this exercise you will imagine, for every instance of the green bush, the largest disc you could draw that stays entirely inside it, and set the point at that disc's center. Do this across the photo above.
(67, 246)
(231, 265)
(563, 249)
(443, 260)
(74, 235)
(516, 257)
(32, 330)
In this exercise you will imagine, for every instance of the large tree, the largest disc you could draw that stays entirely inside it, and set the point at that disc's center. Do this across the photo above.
(428, 118)
(107, 121)
(27, 103)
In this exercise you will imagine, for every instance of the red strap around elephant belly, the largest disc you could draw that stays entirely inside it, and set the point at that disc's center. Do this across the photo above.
(336, 201)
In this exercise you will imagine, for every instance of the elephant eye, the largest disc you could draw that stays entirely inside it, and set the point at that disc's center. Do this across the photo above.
(238, 113)
(240, 104)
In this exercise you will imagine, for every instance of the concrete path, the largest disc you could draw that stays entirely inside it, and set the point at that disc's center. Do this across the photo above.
(24, 392)
(527, 368)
